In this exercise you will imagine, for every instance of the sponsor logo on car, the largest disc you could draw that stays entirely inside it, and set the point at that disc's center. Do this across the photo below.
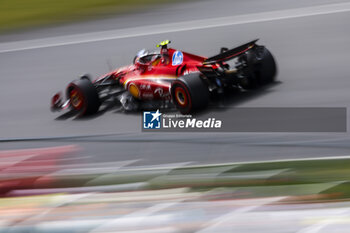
(189, 71)
(145, 87)
(178, 58)
(161, 92)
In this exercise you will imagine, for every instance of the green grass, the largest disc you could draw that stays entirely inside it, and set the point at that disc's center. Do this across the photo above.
(306, 180)
(15, 14)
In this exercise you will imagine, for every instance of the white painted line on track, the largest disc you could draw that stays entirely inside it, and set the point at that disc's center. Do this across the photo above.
(174, 27)
(318, 227)
(229, 165)
(60, 201)
(302, 159)
(84, 189)
(166, 166)
(98, 168)
(134, 218)
(154, 230)
(214, 225)
(340, 157)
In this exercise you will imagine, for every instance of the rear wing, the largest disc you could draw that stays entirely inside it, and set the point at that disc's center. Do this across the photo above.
(230, 54)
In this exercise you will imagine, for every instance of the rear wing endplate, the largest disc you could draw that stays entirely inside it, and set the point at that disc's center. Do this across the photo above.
(230, 54)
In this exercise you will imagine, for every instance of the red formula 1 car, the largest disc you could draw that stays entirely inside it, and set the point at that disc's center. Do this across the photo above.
(171, 77)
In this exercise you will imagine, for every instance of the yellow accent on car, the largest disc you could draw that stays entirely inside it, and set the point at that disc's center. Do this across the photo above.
(134, 90)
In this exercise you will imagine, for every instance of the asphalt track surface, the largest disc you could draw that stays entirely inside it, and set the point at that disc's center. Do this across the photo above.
(309, 40)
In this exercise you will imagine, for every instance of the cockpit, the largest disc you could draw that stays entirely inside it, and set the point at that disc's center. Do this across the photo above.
(145, 59)
(149, 58)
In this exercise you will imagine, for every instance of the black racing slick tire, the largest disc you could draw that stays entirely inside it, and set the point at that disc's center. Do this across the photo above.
(261, 68)
(83, 97)
(264, 65)
(190, 93)
(267, 68)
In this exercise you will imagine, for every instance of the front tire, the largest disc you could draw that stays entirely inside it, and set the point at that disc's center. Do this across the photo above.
(83, 97)
(189, 93)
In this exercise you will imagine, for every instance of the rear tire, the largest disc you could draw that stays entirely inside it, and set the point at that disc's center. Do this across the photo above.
(266, 68)
(261, 68)
(190, 93)
(83, 97)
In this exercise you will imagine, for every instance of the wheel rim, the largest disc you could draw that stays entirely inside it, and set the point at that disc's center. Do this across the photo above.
(76, 99)
(181, 97)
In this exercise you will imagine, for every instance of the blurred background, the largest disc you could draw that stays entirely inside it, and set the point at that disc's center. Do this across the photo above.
(26, 14)
(102, 174)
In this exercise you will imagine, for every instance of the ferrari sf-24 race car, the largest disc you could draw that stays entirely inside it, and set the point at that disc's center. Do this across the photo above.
(171, 77)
